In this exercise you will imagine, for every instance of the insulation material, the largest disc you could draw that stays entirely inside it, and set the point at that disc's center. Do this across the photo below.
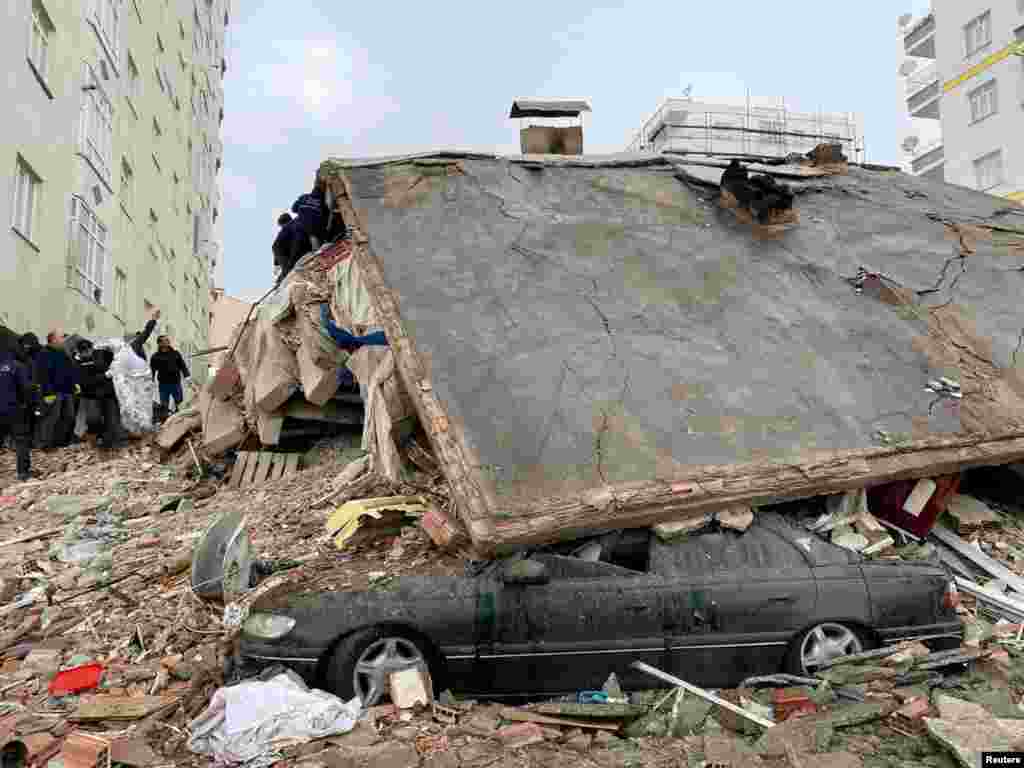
(351, 304)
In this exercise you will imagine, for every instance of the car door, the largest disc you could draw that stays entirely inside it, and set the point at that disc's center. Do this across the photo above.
(589, 620)
(738, 600)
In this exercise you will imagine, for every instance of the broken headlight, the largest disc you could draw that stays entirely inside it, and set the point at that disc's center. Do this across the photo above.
(268, 626)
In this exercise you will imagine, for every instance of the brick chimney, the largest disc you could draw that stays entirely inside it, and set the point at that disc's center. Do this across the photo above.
(548, 137)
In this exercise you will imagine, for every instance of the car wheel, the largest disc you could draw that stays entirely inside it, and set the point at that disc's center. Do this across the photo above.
(363, 661)
(821, 644)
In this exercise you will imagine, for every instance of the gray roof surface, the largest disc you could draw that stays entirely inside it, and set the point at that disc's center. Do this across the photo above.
(610, 324)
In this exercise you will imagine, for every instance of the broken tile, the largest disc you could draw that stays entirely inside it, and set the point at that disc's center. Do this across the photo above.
(520, 735)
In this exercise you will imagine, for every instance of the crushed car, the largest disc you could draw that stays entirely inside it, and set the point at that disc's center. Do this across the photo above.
(713, 608)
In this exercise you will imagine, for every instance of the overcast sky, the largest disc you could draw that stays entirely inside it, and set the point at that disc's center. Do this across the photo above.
(309, 79)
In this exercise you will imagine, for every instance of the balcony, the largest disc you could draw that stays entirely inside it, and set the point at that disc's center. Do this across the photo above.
(923, 93)
(919, 40)
(927, 158)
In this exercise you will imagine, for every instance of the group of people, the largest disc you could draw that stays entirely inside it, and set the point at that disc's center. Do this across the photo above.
(313, 224)
(45, 390)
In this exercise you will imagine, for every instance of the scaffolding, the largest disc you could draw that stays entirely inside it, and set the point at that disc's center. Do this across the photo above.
(684, 125)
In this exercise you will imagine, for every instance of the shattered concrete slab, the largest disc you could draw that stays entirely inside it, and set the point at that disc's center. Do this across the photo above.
(670, 338)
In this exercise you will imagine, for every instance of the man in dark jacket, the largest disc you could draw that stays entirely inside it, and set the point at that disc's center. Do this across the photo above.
(55, 377)
(99, 398)
(16, 402)
(28, 354)
(168, 367)
(311, 212)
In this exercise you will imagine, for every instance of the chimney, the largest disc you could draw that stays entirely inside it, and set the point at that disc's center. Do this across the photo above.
(547, 137)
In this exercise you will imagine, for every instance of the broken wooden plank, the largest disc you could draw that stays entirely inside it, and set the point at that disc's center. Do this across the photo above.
(523, 716)
(31, 536)
(266, 459)
(664, 676)
(979, 558)
(280, 464)
(239, 470)
(110, 707)
(250, 471)
(292, 466)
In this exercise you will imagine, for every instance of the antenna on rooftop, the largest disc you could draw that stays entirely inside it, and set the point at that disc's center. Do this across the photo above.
(687, 91)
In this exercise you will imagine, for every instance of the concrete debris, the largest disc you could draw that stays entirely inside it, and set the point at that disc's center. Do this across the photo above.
(968, 729)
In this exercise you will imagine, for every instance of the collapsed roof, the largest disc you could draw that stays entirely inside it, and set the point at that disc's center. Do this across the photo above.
(595, 342)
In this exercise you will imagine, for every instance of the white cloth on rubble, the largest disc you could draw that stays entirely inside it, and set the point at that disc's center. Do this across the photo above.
(247, 724)
(133, 383)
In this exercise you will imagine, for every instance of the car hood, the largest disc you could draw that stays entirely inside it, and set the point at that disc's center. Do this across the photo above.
(321, 617)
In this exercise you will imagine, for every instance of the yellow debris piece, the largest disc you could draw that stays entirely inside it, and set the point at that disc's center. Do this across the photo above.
(350, 516)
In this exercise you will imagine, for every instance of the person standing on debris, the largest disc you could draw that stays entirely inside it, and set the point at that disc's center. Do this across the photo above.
(169, 367)
(138, 341)
(16, 403)
(29, 354)
(311, 212)
(99, 398)
(55, 376)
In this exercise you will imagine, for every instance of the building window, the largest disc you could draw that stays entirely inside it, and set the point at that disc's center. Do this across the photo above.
(989, 170)
(26, 199)
(105, 18)
(127, 186)
(134, 85)
(120, 293)
(983, 101)
(39, 42)
(96, 125)
(978, 33)
(89, 244)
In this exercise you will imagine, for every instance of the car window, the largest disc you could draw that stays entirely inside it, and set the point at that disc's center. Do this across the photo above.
(817, 549)
(722, 551)
(560, 567)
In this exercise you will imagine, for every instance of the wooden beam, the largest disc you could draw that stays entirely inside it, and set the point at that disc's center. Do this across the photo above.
(699, 489)
(292, 465)
(454, 454)
(280, 464)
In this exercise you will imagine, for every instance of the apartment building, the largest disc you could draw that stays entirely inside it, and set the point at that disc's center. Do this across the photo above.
(963, 78)
(112, 154)
(755, 126)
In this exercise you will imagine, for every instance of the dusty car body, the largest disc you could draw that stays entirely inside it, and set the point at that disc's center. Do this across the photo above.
(712, 609)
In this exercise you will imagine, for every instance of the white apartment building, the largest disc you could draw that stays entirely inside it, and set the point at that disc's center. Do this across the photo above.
(111, 155)
(963, 79)
(764, 127)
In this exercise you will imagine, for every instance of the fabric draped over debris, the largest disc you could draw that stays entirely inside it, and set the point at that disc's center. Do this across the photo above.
(248, 723)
